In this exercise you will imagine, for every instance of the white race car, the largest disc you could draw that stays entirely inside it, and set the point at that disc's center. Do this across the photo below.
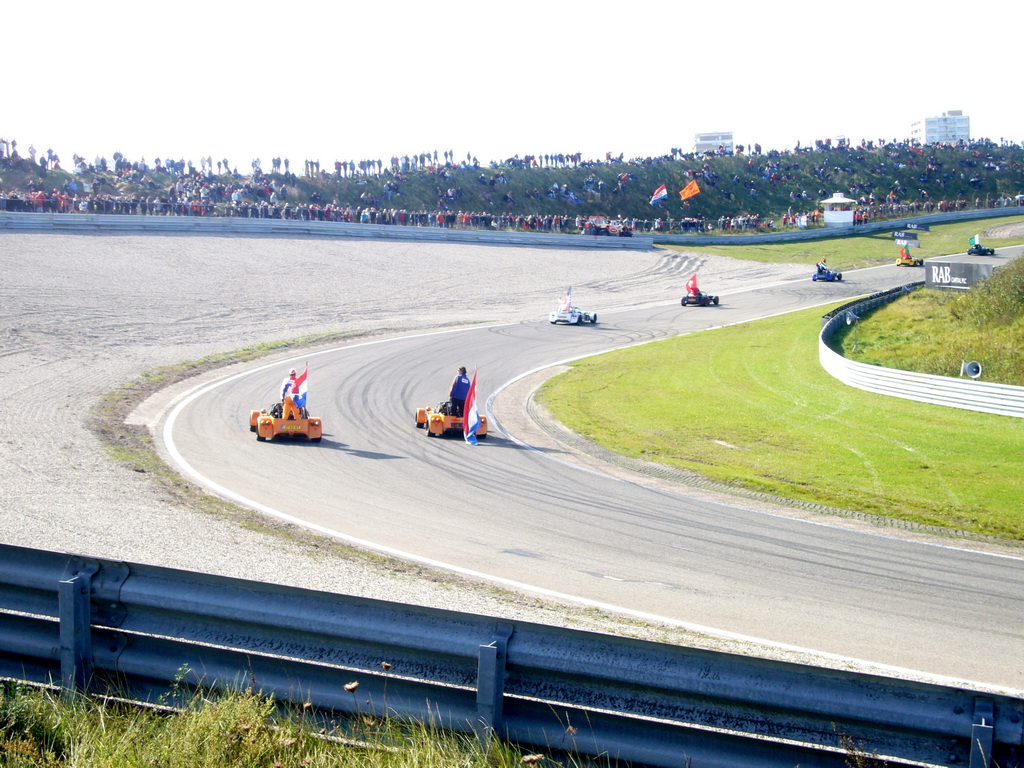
(572, 316)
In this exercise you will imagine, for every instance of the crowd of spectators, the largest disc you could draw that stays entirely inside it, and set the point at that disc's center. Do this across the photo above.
(213, 188)
(154, 205)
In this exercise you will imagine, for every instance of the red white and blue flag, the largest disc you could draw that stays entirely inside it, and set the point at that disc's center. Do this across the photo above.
(298, 390)
(659, 194)
(471, 421)
(567, 301)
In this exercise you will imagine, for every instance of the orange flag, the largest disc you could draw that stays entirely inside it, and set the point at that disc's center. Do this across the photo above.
(689, 190)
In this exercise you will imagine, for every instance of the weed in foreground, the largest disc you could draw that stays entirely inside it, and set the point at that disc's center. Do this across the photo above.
(40, 728)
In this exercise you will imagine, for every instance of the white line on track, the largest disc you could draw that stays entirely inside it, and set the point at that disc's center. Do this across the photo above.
(238, 498)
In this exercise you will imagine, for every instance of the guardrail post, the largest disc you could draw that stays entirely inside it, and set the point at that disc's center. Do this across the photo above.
(73, 608)
(982, 733)
(490, 682)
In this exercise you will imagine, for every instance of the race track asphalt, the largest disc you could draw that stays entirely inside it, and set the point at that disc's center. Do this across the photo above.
(510, 514)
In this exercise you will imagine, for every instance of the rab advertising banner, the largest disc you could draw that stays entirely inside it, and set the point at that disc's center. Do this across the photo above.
(956, 277)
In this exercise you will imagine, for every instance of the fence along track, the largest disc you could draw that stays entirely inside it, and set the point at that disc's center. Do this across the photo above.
(967, 394)
(84, 622)
(228, 225)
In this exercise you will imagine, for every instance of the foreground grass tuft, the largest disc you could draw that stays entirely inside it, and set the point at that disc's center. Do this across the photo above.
(41, 729)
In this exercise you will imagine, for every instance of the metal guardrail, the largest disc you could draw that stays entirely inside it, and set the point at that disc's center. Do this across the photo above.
(87, 623)
(967, 394)
(78, 222)
(218, 225)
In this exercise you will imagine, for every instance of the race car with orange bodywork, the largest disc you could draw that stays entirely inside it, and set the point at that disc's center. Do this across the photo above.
(269, 424)
(444, 420)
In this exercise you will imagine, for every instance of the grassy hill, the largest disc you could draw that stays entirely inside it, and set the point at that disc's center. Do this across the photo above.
(767, 185)
(930, 331)
(778, 427)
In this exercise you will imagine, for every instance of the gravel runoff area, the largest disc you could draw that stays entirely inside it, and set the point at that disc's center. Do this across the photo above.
(85, 315)
(1005, 231)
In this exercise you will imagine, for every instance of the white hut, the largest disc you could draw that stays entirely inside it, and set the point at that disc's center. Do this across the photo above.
(838, 211)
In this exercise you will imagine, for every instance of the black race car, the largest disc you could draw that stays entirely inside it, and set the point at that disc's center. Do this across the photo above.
(699, 300)
(981, 250)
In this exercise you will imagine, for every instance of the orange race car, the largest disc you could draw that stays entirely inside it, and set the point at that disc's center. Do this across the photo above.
(268, 424)
(443, 420)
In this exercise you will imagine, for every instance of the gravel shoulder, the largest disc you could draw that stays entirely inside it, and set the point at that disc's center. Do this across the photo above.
(1005, 231)
(85, 316)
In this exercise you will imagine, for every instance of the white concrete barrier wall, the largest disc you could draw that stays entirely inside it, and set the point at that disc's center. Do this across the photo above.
(965, 393)
(102, 222)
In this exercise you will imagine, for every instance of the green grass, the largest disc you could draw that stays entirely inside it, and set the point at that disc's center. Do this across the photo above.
(934, 332)
(920, 333)
(857, 251)
(750, 406)
(40, 729)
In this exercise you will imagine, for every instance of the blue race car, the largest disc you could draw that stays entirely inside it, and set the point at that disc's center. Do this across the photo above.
(827, 275)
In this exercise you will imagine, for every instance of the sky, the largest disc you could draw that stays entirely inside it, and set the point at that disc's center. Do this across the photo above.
(336, 80)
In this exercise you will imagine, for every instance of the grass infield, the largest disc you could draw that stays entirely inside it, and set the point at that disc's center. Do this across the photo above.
(750, 406)
(858, 251)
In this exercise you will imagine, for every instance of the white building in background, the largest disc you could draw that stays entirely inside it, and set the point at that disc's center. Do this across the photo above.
(949, 127)
(710, 142)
